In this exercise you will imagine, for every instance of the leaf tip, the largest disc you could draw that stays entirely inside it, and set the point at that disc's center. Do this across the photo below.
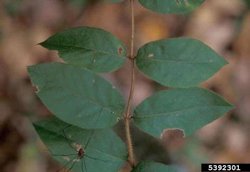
(224, 61)
(230, 106)
(43, 44)
(36, 126)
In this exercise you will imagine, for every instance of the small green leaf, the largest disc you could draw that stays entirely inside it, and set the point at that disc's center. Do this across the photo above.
(102, 149)
(171, 6)
(88, 47)
(76, 95)
(180, 62)
(185, 109)
(154, 167)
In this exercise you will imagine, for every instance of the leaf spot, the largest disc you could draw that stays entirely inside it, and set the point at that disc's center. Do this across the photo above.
(77, 146)
(76, 160)
(66, 158)
(120, 50)
(151, 55)
(93, 81)
(37, 90)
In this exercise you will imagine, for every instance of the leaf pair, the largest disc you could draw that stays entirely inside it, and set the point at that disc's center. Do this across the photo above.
(169, 6)
(82, 98)
(180, 62)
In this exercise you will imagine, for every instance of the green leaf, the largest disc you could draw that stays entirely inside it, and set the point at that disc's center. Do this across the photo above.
(187, 109)
(171, 6)
(154, 167)
(102, 148)
(113, 1)
(76, 95)
(180, 62)
(88, 47)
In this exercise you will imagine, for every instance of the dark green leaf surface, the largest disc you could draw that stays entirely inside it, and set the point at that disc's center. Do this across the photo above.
(103, 149)
(180, 62)
(154, 167)
(91, 48)
(171, 6)
(77, 96)
(186, 109)
(113, 1)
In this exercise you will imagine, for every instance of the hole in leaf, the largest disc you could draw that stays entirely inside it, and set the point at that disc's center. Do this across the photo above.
(173, 138)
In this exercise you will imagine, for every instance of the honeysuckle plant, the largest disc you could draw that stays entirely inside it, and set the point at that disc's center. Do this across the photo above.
(86, 107)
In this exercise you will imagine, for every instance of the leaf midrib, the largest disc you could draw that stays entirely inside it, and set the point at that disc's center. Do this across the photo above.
(175, 61)
(83, 48)
(169, 113)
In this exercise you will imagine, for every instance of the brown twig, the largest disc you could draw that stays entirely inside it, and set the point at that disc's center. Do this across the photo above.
(127, 114)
